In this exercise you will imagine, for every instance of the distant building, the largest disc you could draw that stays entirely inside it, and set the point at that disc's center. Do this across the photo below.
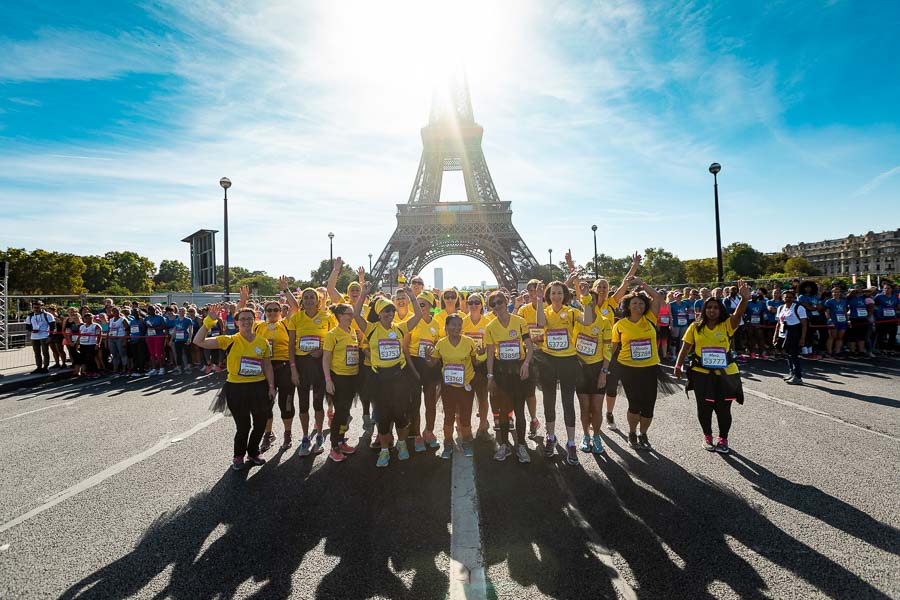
(861, 254)
(439, 278)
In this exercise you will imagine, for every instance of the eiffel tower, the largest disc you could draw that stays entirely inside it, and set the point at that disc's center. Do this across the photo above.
(481, 227)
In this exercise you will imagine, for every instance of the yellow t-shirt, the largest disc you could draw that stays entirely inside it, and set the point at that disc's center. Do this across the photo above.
(607, 308)
(422, 336)
(344, 349)
(245, 359)
(509, 341)
(559, 335)
(457, 370)
(410, 313)
(593, 343)
(277, 334)
(385, 345)
(476, 332)
(638, 341)
(712, 346)
(529, 313)
(441, 319)
(310, 331)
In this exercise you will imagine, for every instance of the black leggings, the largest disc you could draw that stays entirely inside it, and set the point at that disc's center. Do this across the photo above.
(705, 410)
(886, 335)
(566, 371)
(88, 353)
(640, 388)
(510, 394)
(285, 388)
(309, 371)
(392, 398)
(344, 390)
(246, 400)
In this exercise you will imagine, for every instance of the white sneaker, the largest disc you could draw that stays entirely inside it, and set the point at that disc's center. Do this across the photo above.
(151, 372)
(187, 370)
(522, 453)
(176, 371)
(161, 372)
(502, 452)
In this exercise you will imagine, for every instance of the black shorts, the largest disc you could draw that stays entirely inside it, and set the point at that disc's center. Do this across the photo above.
(640, 388)
(529, 386)
(857, 331)
(587, 380)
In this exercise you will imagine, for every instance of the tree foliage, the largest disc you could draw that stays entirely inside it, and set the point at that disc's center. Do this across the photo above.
(43, 272)
(132, 271)
(661, 267)
(172, 276)
(744, 260)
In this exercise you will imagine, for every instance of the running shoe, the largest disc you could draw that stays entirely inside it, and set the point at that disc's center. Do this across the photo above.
(305, 449)
(135, 374)
(708, 443)
(611, 422)
(754, 355)
(633, 440)
(161, 372)
(585, 443)
(336, 455)
(346, 448)
(468, 451)
(217, 369)
(645, 443)
(256, 460)
(533, 428)
(722, 446)
(238, 464)
(549, 446)
(597, 446)
(187, 370)
(431, 441)
(207, 370)
(522, 453)
(571, 454)
(176, 371)
(384, 458)
(419, 444)
(286, 440)
(502, 452)
(318, 448)
(447, 454)
(402, 450)
(151, 372)
(267, 440)
(795, 381)
(764, 356)
(789, 377)
(483, 435)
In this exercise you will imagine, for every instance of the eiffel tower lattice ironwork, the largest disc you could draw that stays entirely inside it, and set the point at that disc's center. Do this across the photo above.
(481, 227)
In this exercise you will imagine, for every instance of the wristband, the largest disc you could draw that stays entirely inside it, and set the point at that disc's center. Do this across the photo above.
(209, 322)
(490, 375)
(604, 370)
(679, 366)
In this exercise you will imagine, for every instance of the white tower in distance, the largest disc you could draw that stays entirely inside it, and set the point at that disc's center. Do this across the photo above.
(439, 278)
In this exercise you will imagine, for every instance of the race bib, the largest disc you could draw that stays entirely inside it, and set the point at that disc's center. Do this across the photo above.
(425, 345)
(509, 350)
(536, 333)
(585, 345)
(754, 319)
(713, 357)
(641, 349)
(888, 312)
(840, 317)
(388, 349)
(250, 367)
(180, 335)
(352, 358)
(479, 339)
(308, 343)
(862, 312)
(135, 330)
(557, 339)
(663, 320)
(454, 374)
(682, 321)
(151, 331)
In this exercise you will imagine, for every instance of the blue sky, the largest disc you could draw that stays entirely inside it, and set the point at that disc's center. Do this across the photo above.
(118, 119)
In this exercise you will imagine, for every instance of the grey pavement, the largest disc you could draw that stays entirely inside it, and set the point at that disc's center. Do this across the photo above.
(121, 488)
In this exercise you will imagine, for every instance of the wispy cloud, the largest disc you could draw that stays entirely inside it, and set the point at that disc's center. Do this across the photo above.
(876, 182)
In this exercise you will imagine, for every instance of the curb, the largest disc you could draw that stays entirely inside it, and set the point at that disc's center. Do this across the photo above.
(11, 383)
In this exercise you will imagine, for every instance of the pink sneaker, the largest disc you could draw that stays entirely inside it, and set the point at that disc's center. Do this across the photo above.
(753, 355)
(346, 448)
(764, 356)
(207, 370)
(336, 455)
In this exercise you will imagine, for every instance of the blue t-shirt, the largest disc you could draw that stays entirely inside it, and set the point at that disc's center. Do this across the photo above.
(679, 314)
(687, 306)
(171, 322)
(183, 329)
(813, 302)
(230, 326)
(756, 312)
(771, 316)
(858, 309)
(156, 325)
(837, 310)
(731, 304)
(135, 328)
(886, 307)
(698, 305)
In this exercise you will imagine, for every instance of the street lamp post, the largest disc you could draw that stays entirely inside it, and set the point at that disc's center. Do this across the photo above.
(330, 250)
(550, 251)
(370, 263)
(714, 169)
(596, 268)
(226, 183)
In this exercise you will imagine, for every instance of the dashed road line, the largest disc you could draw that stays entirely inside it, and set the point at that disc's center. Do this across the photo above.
(467, 579)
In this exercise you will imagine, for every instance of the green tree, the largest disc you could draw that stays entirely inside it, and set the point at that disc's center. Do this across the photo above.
(744, 260)
(775, 262)
(799, 266)
(98, 273)
(132, 271)
(661, 267)
(43, 272)
(701, 270)
(172, 276)
(323, 272)
(262, 284)
(611, 268)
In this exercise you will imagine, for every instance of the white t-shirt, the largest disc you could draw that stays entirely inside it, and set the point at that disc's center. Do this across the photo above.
(117, 327)
(40, 325)
(792, 315)
(89, 340)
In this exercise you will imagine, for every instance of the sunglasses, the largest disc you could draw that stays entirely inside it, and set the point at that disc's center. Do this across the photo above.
(424, 305)
(273, 310)
(498, 303)
(471, 302)
(450, 297)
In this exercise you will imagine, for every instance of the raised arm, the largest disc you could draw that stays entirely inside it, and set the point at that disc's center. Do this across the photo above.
(655, 297)
(417, 310)
(737, 317)
(623, 289)
(331, 284)
(361, 322)
(245, 297)
(200, 338)
(289, 298)
(539, 308)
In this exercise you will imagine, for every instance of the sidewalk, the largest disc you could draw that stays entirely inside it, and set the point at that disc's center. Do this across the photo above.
(16, 367)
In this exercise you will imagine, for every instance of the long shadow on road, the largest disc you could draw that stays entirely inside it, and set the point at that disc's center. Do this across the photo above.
(385, 529)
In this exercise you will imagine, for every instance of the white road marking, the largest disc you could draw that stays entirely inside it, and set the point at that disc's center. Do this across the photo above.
(595, 543)
(818, 413)
(106, 474)
(31, 412)
(467, 578)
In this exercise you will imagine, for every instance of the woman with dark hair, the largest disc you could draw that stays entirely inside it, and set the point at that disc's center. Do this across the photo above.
(886, 310)
(636, 357)
(474, 325)
(791, 330)
(418, 344)
(593, 345)
(808, 298)
(274, 330)
(713, 375)
(156, 339)
(56, 339)
(340, 363)
(836, 311)
(450, 305)
(858, 331)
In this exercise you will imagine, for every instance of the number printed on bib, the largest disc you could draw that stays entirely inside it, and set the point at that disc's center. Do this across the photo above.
(862, 312)
(663, 320)
(388, 349)
(557, 339)
(509, 350)
(889, 312)
(423, 346)
(713, 357)
(454, 374)
(585, 345)
(840, 317)
(754, 319)
(682, 320)
(352, 358)
(151, 331)
(135, 330)
(308, 343)
(250, 367)
(641, 349)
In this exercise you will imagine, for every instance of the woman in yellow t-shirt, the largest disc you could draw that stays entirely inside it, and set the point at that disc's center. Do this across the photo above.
(274, 330)
(637, 358)
(450, 304)
(458, 353)
(389, 378)
(528, 311)
(593, 343)
(417, 343)
(249, 371)
(401, 301)
(340, 364)
(474, 325)
(713, 375)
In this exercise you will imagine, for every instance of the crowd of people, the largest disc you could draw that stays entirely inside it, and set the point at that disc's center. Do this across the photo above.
(481, 355)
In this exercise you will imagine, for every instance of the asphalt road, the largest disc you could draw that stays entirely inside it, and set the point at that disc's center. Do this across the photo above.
(122, 488)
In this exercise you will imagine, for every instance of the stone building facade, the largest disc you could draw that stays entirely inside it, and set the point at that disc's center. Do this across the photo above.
(868, 253)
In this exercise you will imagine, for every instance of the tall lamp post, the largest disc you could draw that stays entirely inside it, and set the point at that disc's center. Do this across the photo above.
(226, 183)
(550, 250)
(330, 250)
(596, 268)
(714, 169)
(370, 262)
